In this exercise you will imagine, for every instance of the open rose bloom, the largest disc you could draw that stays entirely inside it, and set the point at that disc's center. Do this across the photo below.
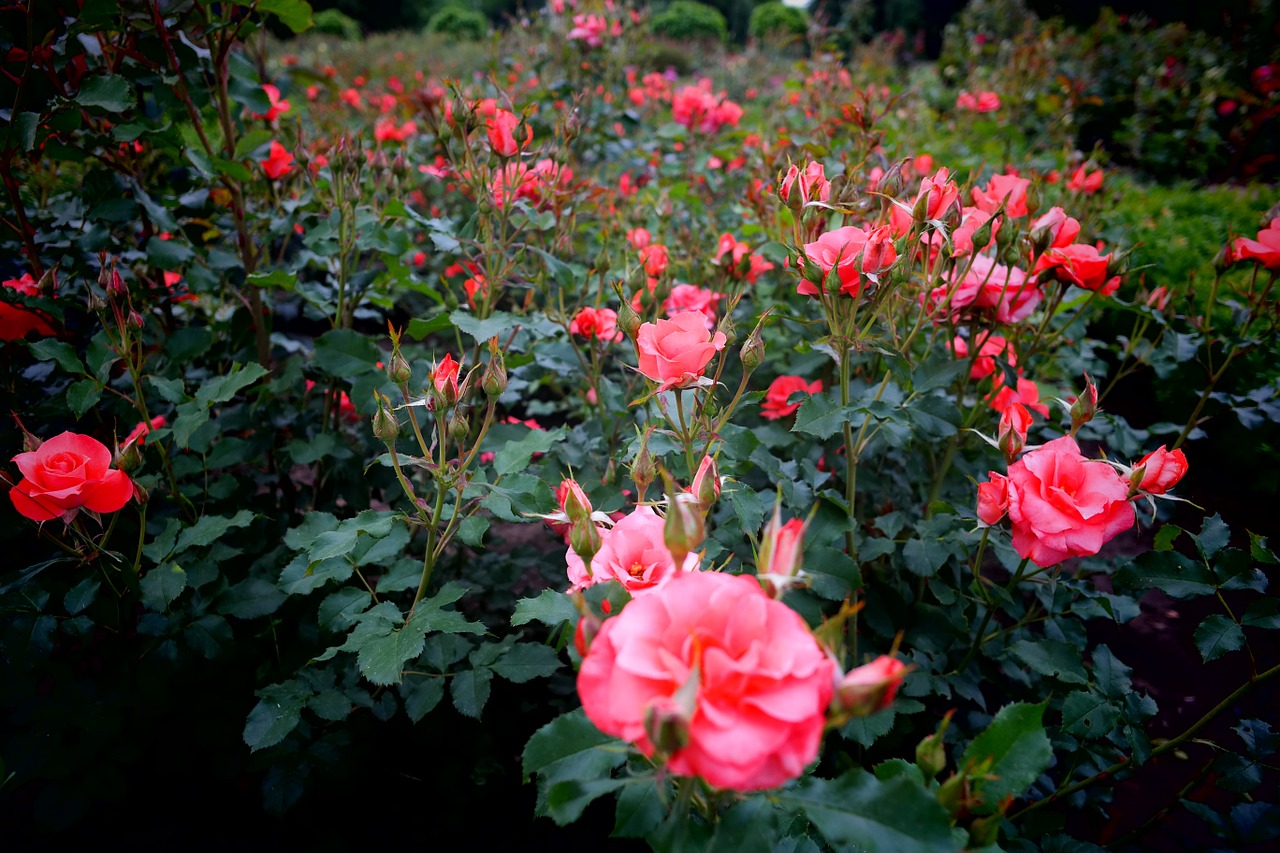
(675, 352)
(67, 473)
(740, 672)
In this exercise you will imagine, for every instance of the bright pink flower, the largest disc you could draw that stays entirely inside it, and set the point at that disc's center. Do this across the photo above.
(502, 128)
(1081, 265)
(675, 352)
(444, 377)
(1162, 469)
(993, 499)
(870, 687)
(1265, 250)
(936, 195)
(1027, 393)
(776, 403)
(386, 130)
(1059, 229)
(1063, 505)
(66, 473)
(639, 238)
(992, 347)
(988, 287)
(601, 323)
(1010, 189)
(811, 184)
(632, 552)
(738, 673)
(139, 432)
(16, 323)
(654, 257)
(1085, 182)
(690, 297)
(589, 28)
(278, 107)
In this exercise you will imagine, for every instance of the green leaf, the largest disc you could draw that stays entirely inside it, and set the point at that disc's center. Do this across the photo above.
(924, 557)
(1168, 571)
(936, 372)
(294, 14)
(1088, 715)
(569, 748)
(419, 329)
(1110, 675)
(60, 352)
(1216, 636)
(252, 141)
(25, 126)
(170, 390)
(251, 598)
(1165, 537)
(1263, 613)
(470, 691)
(527, 661)
(339, 610)
(109, 92)
(162, 585)
(860, 812)
(346, 354)
(515, 455)
(472, 529)
(220, 389)
(1213, 537)
(277, 713)
(210, 529)
(821, 415)
(640, 809)
(566, 800)
(190, 417)
(313, 524)
(550, 607)
(497, 323)
(1020, 750)
(421, 696)
(275, 278)
(81, 595)
(748, 505)
(1053, 658)
(1259, 550)
(208, 635)
(83, 396)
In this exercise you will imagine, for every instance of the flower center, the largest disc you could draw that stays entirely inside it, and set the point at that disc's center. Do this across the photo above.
(636, 569)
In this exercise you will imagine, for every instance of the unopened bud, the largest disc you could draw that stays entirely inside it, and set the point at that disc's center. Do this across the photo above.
(386, 427)
(494, 379)
(951, 793)
(129, 458)
(134, 320)
(585, 540)
(953, 215)
(752, 352)
(644, 470)
(459, 426)
(1225, 258)
(574, 501)
(931, 755)
(706, 483)
(398, 369)
(628, 320)
(684, 529)
(666, 725)
(985, 831)
(727, 328)
(1085, 406)
(982, 235)
(870, 687)
(892, 182)
(116, 288)
(104, 276)
(95, 303)
(588, 627)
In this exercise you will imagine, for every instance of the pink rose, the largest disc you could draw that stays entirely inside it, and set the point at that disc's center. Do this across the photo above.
(654, 257)
(690, 297)
(936, 195)
(1162, 469)
(601, 323)
(502, 128)
(1265, 250)
(737, 672)
(1010, 189)
(1063, 505)
(277, 105)
(1027, 393)
(674, 352)
(279, 161)
(1057, 228)
(992, 347)
(632, 553)
(871, 687)
(65, 473)
(808, 185)
(777, 403)
(993, 499)
(1006, 292)
(1086, 183)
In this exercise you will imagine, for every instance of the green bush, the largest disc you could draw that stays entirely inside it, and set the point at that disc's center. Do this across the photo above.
(773, 18)
(685, 20)
(331, 22)
(459, 22)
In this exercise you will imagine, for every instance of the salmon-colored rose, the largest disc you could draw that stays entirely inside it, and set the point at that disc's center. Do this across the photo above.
(1162, 469)
(1265, 250)
(632, 553)
(710, 655)
(674, 352)
(1064, 505)
(1081, 265)
(65, 473)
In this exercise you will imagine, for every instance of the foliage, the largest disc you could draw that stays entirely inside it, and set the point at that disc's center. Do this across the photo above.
(334, 23)
(688, 20)
(459, 22)
(352, 315)
(773, 18)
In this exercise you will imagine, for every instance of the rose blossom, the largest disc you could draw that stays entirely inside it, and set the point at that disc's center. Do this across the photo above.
(935, 196)
(632, 552)
(674, 352)
(842, 250)
(1009, 189)
(277, 107)
(1265, 250)
(871, 687)
(16, 323)
(501, 129)
(690, 297)
(776, 400)
(1086, 183)
(993, 499)
(65, 473)
(599, 323)
(811, 184)
(1027, 393)
(1081, 265)
(139, 432)
(737, 672)
(992, 346)
(1059, 230)
(1162, 469)
(279, 161)
(988, 285)
(1063, 505)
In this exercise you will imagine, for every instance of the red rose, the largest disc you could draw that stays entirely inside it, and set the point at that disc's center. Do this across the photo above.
(1064, 505)
(65, 473)
(1161, 470)
(777, 399)
(15, 322)
(1081, 265)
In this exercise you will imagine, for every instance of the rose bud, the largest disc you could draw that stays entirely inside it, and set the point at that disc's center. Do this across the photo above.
(1085, 406)
(706, 483)
(444, 378)
(891, 182)
(666, 725)
(494, 379)
(588, 627)
(684, 528)
(628, 320)
(385, 425)
(931, 756)
(398, 369)
(585, 540)
(574, 501)
(644, 470)
(1011, 435)
(993, 499)
(870, 687)
(781, 554)
(1158, 471)
(459, 426)
(879, 253)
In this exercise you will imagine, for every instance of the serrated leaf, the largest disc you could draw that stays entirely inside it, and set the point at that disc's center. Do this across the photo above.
(109, 92)
(566, 800)
(1259, 550)
(1216, 636)
(470, 691)
(59, 352)
(1052, 658)
(83, 396)
(639, 811)
(422, 696)
(294, 14)
(1109, 674)
(220, 389)
(81, 595)
(277, 713)
(251, 598)
(515, 455)
(821, 415)
(1213, 537)
(210, 529)
(208, 635)
(550, 607)
(858, 811)
(168, 254)
(1168, 571)
(339, 610)
(527, 661)
(565, 739)
(1088, 715)
(313, 524)
(1263, 613)
(1165, 537)
(923, 557)
(162, 585)
(1019, 749)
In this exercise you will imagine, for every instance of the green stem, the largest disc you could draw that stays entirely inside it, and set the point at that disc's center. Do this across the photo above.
(986, 619)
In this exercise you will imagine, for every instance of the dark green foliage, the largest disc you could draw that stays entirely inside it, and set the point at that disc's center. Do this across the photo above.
(774, 19)
(458, 22)
(687, 20)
